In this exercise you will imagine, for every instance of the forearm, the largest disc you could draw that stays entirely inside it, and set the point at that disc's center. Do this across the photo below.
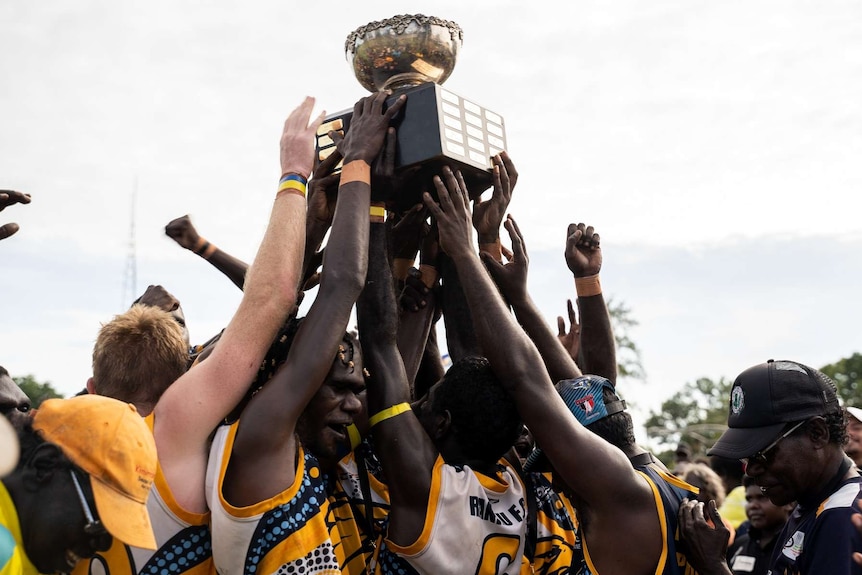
(346, 256)
(557, 360)
(414, 328)
(598, 348)
(502, 340)
(460, 333)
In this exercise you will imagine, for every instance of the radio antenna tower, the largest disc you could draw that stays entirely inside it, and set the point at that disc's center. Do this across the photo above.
(130, 274)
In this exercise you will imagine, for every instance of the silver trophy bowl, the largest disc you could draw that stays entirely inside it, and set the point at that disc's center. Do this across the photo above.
(403, 51)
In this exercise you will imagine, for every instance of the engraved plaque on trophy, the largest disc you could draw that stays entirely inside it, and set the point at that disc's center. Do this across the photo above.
(414, 55)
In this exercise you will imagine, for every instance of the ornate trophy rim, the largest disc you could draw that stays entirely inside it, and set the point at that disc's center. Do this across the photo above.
(399, 23)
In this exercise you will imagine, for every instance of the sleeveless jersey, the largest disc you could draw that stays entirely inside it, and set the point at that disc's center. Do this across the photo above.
(183, 539)
(363, 540)
(293, 532)
(13, 559)
(474, 524)
(821, 540)
(555, 536)
(668, 491)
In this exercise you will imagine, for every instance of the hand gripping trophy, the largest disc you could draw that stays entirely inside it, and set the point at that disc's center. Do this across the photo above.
(414, 55)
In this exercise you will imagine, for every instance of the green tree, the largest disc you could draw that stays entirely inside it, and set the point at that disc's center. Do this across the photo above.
(847, 375)
(696, 414)
(629, 362)
(37, 392)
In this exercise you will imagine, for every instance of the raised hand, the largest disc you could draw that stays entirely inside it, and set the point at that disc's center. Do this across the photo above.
(583, 250)
(488, 215)
(297, 139)
(452, 213)
(511, 277)
(368, 128)
(157, 296)
(183, 232)
(7, 198)
(705, 535)
(322, 190)
(408, 232)
(570, 339)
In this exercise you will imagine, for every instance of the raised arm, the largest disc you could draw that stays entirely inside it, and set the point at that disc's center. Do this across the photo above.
(584, 258)
(182, 231)
(194, 405)
(7, 198)
(262, 462)
(583, 460)
(405, 450)
(512, 280)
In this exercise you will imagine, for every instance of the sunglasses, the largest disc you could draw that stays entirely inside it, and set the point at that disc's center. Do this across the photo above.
(762, 456)
(99, 538)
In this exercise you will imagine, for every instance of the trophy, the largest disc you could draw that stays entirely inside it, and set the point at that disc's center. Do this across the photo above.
(414, 55)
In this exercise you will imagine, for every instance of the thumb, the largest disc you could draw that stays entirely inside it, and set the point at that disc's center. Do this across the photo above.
(494, 267)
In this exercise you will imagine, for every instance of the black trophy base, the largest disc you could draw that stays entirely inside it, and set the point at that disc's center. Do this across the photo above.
(436, 128)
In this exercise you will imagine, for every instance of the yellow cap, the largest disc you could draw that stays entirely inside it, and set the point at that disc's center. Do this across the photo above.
(109, 440)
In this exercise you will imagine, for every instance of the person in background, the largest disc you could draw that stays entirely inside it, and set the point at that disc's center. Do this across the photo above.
(786, 424)
(750, 553)
(83, 478)
(14, 403)
(853, 448)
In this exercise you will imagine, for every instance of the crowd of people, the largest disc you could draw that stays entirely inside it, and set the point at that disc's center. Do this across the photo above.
(289, 444)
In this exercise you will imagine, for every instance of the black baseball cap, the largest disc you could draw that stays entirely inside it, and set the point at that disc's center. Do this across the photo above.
(767, 397)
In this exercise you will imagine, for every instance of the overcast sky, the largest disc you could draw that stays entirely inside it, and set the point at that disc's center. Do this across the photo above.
(715, 146)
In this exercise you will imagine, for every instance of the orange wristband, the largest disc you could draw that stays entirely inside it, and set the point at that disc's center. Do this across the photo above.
(356, 171)
(588, 286)
(211, 249)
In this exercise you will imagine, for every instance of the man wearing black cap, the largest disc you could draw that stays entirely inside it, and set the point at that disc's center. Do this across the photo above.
(786, 425)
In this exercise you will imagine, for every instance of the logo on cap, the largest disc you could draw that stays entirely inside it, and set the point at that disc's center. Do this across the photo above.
(737, 400)
(587, 404)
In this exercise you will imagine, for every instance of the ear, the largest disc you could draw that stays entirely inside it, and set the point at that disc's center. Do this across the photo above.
(818, 432)
(442, 424)
(91, 387)
(45, 460)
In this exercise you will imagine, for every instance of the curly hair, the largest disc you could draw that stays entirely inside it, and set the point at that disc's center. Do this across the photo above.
(484, 416)
(704, 478)
(618, 428)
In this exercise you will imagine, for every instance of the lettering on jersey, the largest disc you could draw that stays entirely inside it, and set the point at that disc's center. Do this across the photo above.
(483, 509)
(793, 546)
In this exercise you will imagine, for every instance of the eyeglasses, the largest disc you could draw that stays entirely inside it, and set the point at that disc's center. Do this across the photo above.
(762, 456)
(100, 539)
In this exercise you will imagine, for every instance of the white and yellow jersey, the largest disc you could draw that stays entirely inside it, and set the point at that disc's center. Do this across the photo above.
(474, 524)
(293, 532)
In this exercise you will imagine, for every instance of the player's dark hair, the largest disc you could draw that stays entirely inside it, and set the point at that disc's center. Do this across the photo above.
(484, 417)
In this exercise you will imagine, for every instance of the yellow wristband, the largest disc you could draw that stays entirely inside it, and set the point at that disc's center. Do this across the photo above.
(356, 171)
(588, 286)
(355, 437)
(377, 213)
(388, 413)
